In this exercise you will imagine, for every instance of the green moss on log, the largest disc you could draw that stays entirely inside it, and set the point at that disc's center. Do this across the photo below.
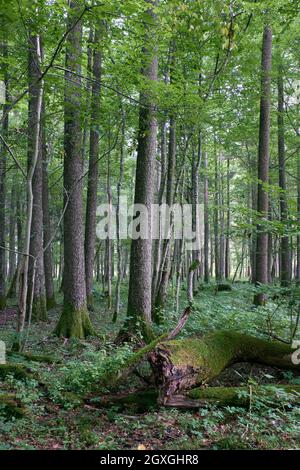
(33, 357)
(140, 401)
(17, 370)
(182, 364)
(242, 396)
(11, 407)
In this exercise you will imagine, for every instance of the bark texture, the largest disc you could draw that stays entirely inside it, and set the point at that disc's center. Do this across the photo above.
(93, 174)
(48, 257)
(74, 320)
(261, 262)
(285, 269)
(3, 153)
(139, 296)
(36, 277)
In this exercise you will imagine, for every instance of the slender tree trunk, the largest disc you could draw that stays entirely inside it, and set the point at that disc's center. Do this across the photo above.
(165, 267)
(261, 275)
(35, 111)
(166, 252)
(12, 258)
(195, 201)
(158, 242)
(48, 257)
(108, 241)
(216, 217)
(285, 268)
(139, 296)
(93, 174)
(119, 245)
(4, 131)
(227, 241)
(36, 275)
(206, 221)
(74, 321)
(298, 218)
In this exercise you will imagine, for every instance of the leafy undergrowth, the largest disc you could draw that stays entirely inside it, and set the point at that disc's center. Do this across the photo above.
(58, 418)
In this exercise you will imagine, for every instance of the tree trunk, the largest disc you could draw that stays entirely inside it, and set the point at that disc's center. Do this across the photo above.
(4, 131)
(35, 110)
(298, 218)
(74, 321)
(261, 263)
(36, 276)
(227, 241)
(48, 259)
(162, 290)
(139, 296)
(93, 173)
(119, 243)
(206, 221)
(216, 216)
(12, 258)
(285, 268)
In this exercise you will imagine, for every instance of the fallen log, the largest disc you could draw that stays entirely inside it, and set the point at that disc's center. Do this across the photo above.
(185, 363)
(11, 407)
(143, 400)
(19, 371)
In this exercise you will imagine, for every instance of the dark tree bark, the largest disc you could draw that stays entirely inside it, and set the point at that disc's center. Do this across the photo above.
(36, 276)
(261, 274)
(74, 321)
(93, 173)
(48, 257)
(4, 131)
(139, 296)
(285, 259)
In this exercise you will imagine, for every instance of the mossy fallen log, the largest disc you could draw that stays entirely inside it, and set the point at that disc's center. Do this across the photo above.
(139, 401)
(223, 287)
(17, 370)
(47, 359)
(144, 400)
(11, 407)
(272, 395)
(185, 363)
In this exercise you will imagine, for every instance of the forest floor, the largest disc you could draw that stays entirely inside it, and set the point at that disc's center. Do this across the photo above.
(57, 419)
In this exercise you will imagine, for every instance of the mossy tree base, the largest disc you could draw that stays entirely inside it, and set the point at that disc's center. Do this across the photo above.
(183, 364)
(74, 323)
